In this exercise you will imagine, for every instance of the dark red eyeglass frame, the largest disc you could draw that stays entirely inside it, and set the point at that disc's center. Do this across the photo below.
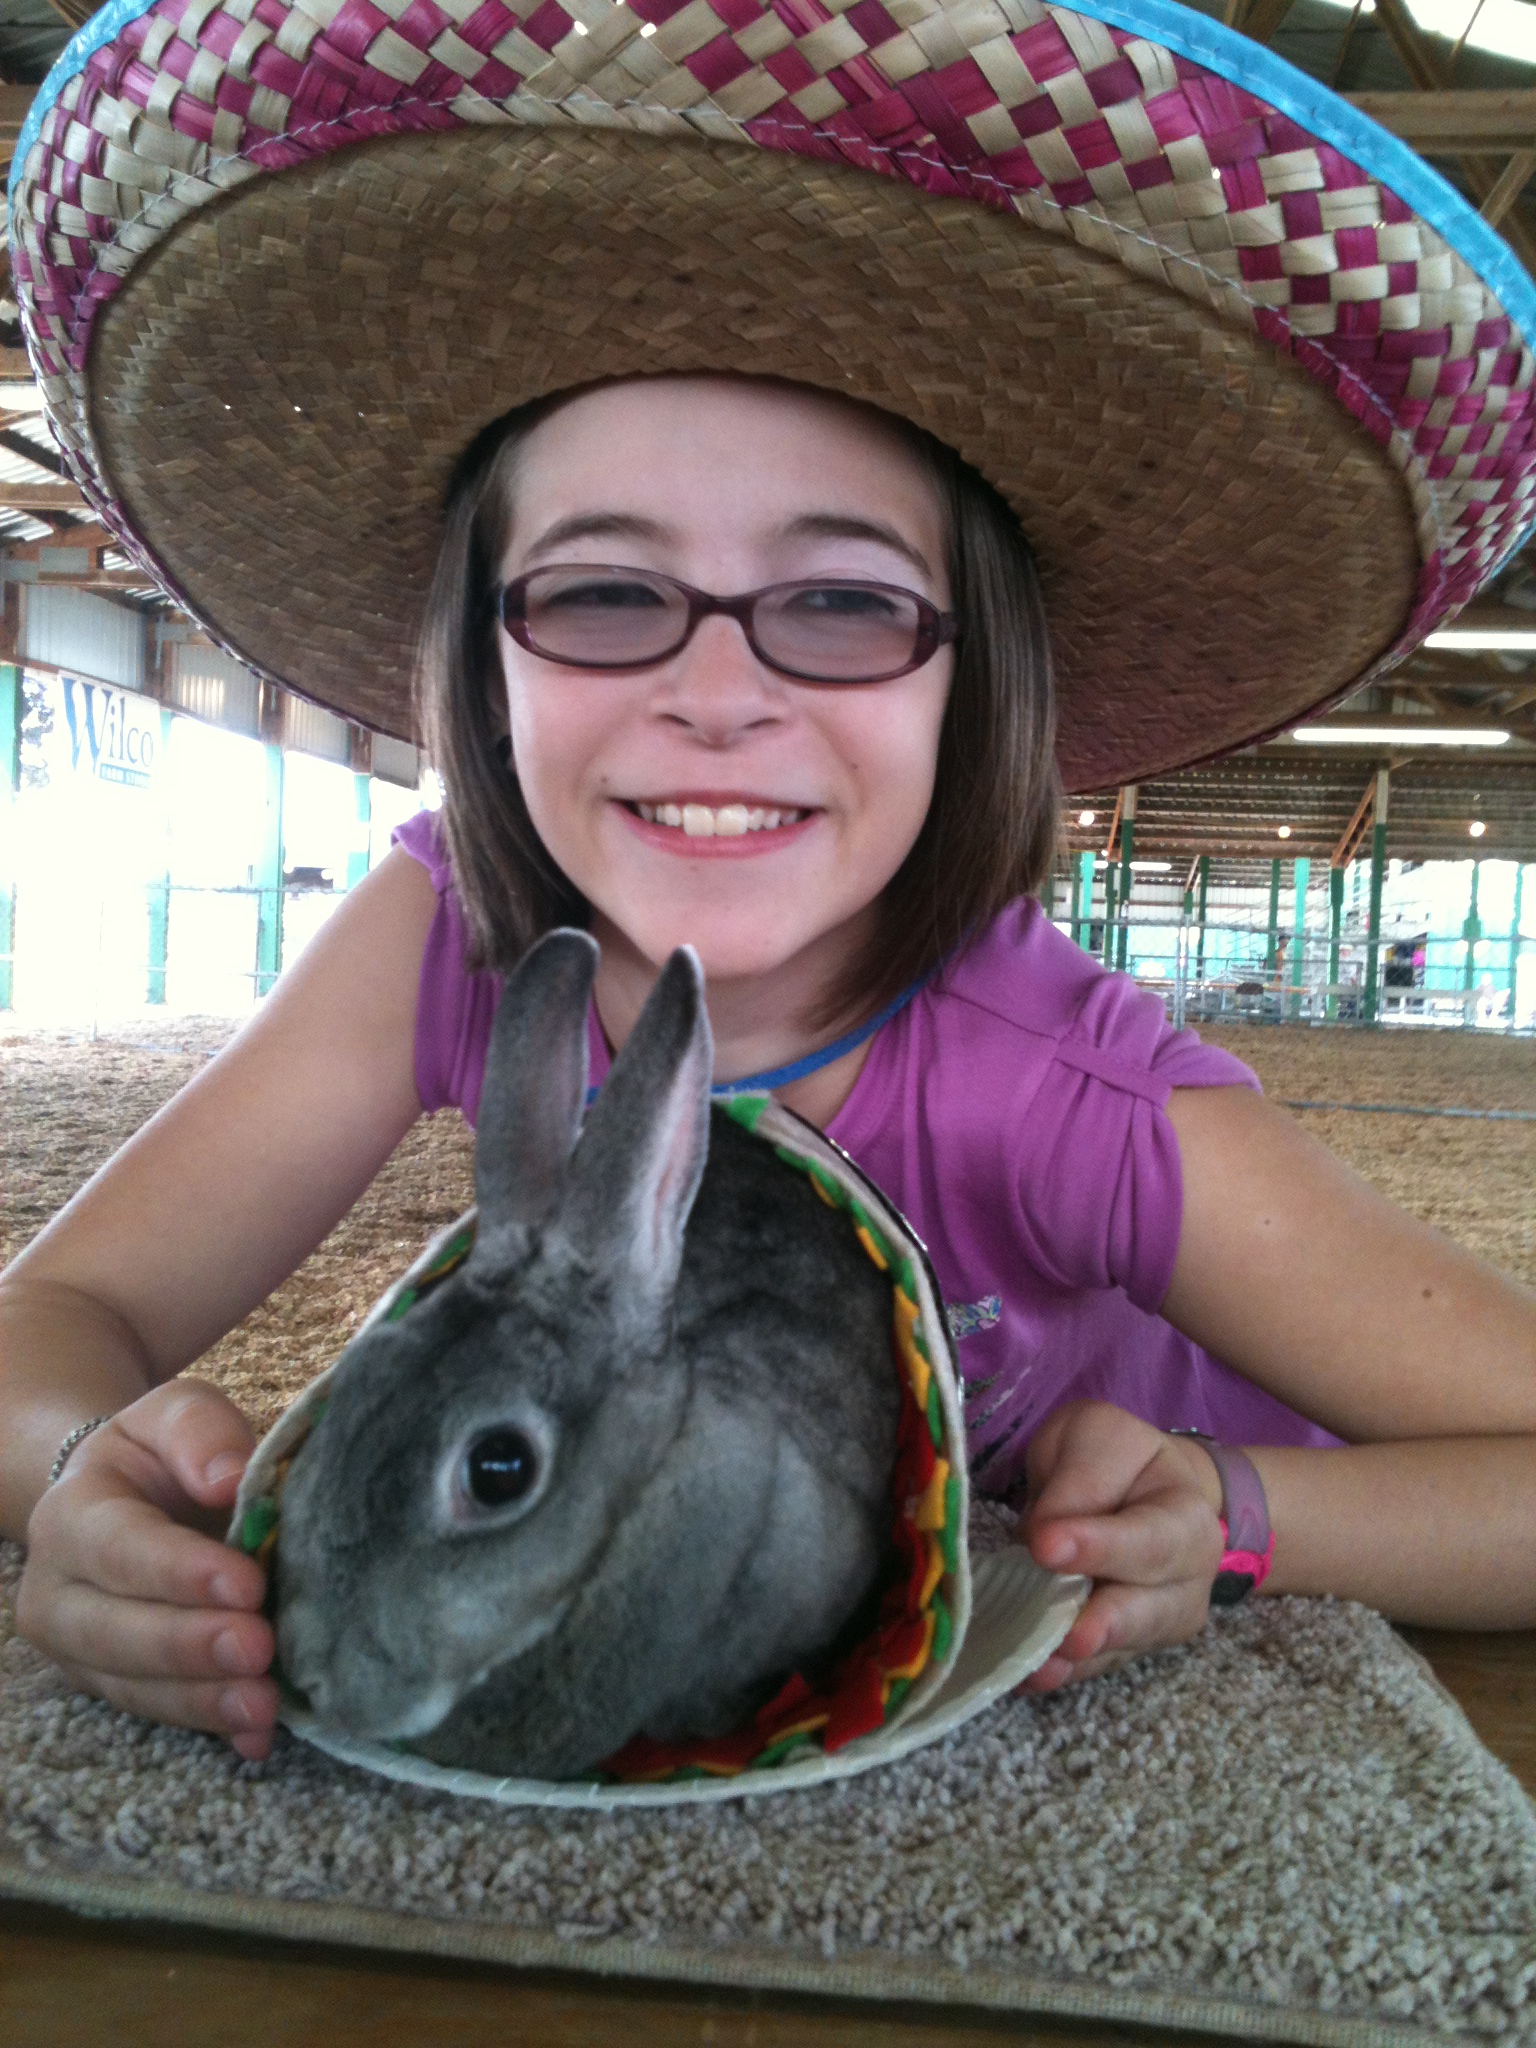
(935, 629)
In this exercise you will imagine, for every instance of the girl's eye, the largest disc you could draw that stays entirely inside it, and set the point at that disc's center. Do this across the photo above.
(500, 1467)
(605, 595)
(843, 601)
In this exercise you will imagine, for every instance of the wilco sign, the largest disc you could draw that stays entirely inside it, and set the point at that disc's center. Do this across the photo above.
(113, 734)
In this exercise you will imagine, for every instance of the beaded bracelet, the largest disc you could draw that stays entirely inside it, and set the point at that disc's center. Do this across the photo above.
(76, 1437)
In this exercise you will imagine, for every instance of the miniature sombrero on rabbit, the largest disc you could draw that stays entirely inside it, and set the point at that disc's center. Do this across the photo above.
(613, 1477)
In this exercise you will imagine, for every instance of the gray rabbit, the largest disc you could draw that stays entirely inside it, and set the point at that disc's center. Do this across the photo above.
(630, 1465)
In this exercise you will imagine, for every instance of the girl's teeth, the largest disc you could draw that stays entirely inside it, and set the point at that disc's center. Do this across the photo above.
(699, 821)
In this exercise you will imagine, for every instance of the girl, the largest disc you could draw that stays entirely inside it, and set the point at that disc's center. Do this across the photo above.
(729, 659)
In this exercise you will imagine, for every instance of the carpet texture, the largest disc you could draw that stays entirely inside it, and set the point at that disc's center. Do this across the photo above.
(1284, 1831)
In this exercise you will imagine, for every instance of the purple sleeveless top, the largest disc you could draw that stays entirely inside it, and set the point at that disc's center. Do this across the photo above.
(1013, 1111)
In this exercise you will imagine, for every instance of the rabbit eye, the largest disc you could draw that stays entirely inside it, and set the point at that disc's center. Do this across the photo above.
(500, 1467)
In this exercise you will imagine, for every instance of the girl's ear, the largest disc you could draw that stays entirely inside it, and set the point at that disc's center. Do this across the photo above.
(637, 1168)
(535, 1085)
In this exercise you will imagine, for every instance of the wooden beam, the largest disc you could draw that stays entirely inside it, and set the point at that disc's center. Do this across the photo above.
(1262, 17)
(1114, 826)
(14, 368)
(76, 12)
(59, 497)
(30, 451)
(1455, 123)
(1511, 182)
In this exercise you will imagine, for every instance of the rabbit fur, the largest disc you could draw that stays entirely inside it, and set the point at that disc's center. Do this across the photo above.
(711, 1413)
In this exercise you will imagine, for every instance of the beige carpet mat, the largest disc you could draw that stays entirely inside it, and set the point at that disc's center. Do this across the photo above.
(1287, 1831)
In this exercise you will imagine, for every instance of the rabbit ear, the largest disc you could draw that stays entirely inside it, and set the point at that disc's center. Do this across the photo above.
(535, 1084)
(637, 1167)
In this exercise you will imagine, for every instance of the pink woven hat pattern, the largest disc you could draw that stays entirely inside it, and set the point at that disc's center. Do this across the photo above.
(1257, 381)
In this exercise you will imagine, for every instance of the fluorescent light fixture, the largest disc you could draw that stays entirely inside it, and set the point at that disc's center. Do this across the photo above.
(1485, 639)
(1400, 735)
(1151, 867)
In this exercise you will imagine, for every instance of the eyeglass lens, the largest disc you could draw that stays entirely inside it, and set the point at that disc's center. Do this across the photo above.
(830, 631)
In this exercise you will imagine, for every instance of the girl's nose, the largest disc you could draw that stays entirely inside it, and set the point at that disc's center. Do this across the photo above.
(717, 686)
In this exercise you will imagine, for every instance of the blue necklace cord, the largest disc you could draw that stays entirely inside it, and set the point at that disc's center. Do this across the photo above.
(780, 1077)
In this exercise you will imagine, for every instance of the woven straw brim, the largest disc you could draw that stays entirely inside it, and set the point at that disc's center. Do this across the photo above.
(280, 388)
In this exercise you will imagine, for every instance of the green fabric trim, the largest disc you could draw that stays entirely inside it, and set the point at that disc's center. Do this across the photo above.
(406, 1302)
(943, 1630)
(949, 1535)
(747, 1111)
(258, 1522)
(935, 1412)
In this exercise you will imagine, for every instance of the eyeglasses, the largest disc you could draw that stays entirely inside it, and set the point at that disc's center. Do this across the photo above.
(827, 630)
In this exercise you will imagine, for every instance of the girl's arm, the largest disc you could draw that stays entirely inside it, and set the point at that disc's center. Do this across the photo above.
(187, 1228)
(1297, 1273)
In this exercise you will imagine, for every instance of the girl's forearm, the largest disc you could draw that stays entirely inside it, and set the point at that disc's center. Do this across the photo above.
(1440, 1531)
(64, 1358)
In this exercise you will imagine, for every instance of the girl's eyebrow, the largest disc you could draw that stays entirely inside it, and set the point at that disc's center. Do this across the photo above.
(848, 526)
(600, 526)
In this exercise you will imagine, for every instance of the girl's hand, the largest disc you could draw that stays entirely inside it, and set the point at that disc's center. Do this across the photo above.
(127, 1583)
(1136, 1511)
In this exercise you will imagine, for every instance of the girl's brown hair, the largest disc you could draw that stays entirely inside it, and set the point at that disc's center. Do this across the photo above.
(991, 827)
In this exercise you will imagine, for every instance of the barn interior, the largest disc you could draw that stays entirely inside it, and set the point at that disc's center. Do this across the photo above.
(1349, 905)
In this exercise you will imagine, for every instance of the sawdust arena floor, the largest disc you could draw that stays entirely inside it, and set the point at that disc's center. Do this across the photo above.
(66, 1102)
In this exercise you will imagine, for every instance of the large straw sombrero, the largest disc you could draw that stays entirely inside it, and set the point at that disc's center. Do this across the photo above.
(954, 1631)
(1256, 380)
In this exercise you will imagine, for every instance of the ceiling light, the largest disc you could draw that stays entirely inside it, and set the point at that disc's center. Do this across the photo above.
(649, 29)
(1476, 639)
(580, 27)
(1152, 867)
(1400, 735)
(1285, 831)
(1477, 828)
(1087, 818)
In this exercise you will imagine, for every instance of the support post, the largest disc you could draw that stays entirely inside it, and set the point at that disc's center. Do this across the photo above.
(1200, 908)
(1272, 950)
(357, 856)
(1514, 940)
(1301, 875)
(1378, 877)
(1109, 916)
(10, 782)
(1127, 848)
(1335, 927)
(269, 878)
(1471, 931)
(1083, 933)
(159, 890)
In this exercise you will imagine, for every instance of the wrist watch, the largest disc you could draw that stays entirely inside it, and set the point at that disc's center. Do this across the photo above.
(1245, 1530)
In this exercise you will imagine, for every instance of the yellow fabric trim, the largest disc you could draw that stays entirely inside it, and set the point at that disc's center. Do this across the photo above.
(918, 1368)
(872, 1248)
(929, 1513)
(919, 1663)
(935, 1571)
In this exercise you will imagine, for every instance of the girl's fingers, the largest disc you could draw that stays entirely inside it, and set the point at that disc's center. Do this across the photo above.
(138, 1639)
(1120, 1622)
(1147, 1543)
(237, 1708)
(124, 1545)
(198, 1433)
